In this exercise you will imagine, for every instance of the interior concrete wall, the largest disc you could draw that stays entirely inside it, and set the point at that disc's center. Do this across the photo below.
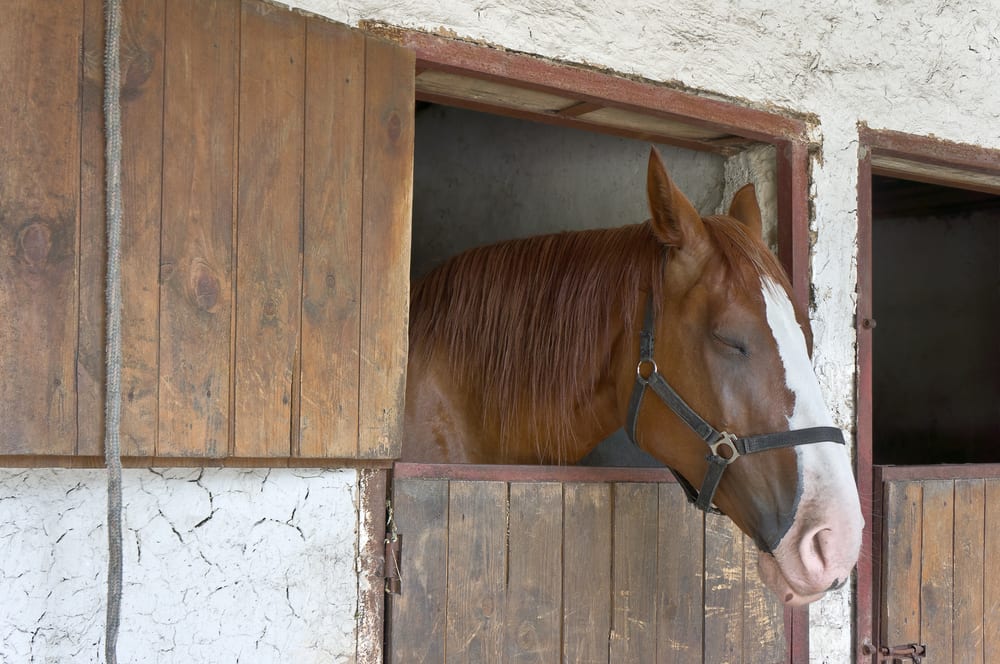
(481, 178)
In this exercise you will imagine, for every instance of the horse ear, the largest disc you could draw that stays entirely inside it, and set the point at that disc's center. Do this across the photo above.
(744, 208)
(675, 221)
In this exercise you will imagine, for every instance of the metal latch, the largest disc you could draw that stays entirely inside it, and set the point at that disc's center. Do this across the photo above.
(911, 652)
(393, 553)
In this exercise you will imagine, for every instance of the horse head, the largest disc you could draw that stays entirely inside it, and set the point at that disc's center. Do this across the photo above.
(732, 343)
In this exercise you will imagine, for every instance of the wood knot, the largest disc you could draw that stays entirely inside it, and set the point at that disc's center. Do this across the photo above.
(205, 287)
(394, 127)
(34, 243)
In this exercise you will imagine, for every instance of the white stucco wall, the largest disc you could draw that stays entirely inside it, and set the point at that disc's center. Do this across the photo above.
(921, 67)
(220, 565)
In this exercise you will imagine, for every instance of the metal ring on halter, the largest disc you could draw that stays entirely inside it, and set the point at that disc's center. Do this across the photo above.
(729, 440)
(638, 369)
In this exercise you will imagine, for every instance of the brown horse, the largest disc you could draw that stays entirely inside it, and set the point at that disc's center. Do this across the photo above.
(527, 352)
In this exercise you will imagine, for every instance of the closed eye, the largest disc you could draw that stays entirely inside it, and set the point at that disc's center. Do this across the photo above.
(731, 344)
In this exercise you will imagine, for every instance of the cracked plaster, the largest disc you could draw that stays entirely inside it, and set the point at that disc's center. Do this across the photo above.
(220, 565)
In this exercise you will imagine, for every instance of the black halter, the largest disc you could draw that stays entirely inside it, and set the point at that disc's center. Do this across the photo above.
(724, 447)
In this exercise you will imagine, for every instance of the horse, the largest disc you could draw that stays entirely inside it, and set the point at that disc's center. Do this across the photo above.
(532, 351)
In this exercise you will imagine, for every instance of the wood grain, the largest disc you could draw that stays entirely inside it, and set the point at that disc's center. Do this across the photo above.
(970, 540)
(900, 620)
(385, 287)
(90, 360)
(477, 565)
(586, 572)
(142, 161)
(936, 564)
(991, 568)
(533, 614)
(634, 620)
(40, 46)
(764, 638)
(679, 578)
(196, 268)
(269, 219)
(331, 287)
(723, 590)
(417, 614)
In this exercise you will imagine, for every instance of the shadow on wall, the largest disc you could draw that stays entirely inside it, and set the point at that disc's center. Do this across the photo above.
(482, 178)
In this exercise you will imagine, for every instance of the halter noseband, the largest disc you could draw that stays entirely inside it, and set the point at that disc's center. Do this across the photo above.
(724, 447)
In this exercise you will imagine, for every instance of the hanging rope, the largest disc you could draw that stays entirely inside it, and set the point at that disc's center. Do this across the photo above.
(113, 398)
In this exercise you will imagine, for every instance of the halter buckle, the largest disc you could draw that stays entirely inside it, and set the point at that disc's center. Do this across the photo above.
(646, 364)
(727, 440)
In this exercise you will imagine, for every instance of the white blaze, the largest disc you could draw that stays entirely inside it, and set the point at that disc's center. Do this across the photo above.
(827, 478)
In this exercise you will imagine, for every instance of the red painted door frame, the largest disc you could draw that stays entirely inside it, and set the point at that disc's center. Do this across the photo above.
(921, 159)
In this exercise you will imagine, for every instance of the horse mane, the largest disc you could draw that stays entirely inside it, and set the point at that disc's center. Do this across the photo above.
(528, 325)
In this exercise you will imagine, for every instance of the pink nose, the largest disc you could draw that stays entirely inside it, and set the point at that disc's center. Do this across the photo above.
(823, 561)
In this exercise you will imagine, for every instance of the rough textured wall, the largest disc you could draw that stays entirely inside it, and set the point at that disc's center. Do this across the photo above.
(220, 565)
(919, 67)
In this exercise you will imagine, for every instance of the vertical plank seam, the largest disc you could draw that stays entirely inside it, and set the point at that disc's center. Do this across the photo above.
(613, 493)
(234, 250)
(159, 254)
(562, 574)
(77, 260)
(361, 248)
(295, 414)
(447, 561)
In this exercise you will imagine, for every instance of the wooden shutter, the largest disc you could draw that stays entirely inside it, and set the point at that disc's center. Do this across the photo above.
(267, 194)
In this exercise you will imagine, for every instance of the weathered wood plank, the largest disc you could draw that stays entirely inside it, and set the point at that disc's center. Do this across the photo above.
(900, 599)
(723, 590)
(764, 639)
(90, 361)
(385, 272)
(533, 615)
(991, 568)
(937, 565)
(142, 146)
(334, 151)
(196, 268)
(40, 46)
(477, 564)
(417, 614)
(633, 618)
(269, 227)
(679, 578)
(586, 573)
(967, 642)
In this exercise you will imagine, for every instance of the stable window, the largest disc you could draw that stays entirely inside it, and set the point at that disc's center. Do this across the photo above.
(543, 147)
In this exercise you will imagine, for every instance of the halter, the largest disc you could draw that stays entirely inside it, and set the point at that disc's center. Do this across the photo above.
(724, 447)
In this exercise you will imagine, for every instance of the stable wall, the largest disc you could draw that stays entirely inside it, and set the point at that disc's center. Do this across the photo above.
(926, 69)
(922, 68)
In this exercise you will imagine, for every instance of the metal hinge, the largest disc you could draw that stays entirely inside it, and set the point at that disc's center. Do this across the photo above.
(393, 553)
(911, 652)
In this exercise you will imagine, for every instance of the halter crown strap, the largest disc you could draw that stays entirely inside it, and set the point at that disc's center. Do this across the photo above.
(724, 447)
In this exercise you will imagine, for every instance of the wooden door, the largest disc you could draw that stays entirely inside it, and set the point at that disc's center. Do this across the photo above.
(564, 564)
(267, 159)
(938, 560)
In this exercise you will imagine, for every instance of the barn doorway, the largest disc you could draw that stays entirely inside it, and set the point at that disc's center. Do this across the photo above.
(936, 303)
(928, 396)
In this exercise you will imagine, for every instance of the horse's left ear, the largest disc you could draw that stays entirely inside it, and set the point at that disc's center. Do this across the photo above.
(745, 209)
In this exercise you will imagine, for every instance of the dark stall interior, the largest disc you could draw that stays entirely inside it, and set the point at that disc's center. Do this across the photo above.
(936, 353)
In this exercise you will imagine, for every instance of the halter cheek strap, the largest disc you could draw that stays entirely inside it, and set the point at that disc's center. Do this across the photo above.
(724, 447)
